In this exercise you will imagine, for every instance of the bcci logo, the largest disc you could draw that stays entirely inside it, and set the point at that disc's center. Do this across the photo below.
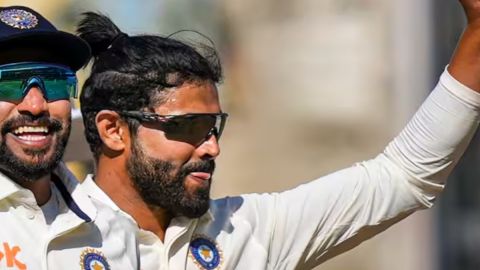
(18, 18)
(92, 259)
(205, 253)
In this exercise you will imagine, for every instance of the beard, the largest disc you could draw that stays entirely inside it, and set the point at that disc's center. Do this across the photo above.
(160, 186)
(30, 171)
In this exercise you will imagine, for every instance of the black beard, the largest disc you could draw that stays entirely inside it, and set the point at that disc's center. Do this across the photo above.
(159, 186)
(21, 170)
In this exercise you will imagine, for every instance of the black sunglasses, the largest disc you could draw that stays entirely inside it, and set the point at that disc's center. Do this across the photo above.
(193, 128)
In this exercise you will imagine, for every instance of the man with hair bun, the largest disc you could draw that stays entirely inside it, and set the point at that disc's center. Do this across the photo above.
(47, 221)
(153, 121)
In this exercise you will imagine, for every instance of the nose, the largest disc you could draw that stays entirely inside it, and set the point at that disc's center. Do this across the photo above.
(34, 102)
(209, 149)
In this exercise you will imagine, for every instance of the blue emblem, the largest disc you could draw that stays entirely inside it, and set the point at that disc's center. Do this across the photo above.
(92, 259)
(18, 18)
(205, 253)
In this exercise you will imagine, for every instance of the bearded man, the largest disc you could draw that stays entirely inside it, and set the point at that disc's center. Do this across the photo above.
(153, 120)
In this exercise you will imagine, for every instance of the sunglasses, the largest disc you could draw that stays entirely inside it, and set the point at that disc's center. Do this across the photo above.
(56, 82)
(193, 128)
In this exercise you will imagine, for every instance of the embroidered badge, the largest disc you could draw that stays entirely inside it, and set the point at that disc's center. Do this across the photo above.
(92, 259)
(205, 253)
(18, 18)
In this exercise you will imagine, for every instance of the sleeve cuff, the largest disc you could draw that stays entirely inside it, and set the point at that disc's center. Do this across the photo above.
(459, 90)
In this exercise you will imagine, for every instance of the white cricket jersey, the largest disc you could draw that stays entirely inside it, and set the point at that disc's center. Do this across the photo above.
(305, 226)
(83, 235)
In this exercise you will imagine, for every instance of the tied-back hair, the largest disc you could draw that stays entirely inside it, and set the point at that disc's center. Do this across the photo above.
(131, 72)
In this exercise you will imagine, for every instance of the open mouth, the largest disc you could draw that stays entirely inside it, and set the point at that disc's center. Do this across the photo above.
(32, 136)
(31, 133)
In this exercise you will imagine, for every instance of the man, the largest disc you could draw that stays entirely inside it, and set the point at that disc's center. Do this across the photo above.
(46, 221)
(153, 121)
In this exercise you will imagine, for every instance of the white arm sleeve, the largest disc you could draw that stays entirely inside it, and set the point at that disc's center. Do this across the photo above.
(305, 226)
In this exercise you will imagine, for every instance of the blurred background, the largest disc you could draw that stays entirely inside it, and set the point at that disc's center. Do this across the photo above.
(313, 86)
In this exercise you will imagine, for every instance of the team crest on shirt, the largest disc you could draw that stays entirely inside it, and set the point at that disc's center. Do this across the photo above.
(92, 259)
(18, 18)
(205, 253)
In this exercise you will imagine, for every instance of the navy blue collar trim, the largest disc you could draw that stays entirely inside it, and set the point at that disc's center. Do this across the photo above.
(68, 199)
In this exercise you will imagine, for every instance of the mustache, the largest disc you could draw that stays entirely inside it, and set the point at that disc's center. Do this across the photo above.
(26, 119)
(207, 166)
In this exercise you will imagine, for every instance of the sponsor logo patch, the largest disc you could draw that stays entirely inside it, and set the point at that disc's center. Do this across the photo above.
(8, 257)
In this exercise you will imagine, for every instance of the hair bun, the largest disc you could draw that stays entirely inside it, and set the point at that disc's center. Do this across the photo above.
(98, 31)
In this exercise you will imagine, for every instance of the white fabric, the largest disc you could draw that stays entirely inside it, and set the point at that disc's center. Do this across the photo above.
(28, 242)
(303, 227)
(50, 208)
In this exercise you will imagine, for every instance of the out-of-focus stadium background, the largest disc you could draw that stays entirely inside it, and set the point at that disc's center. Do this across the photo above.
(313, 86)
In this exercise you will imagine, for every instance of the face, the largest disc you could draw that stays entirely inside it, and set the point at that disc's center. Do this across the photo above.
(34, 134)
(171, 174)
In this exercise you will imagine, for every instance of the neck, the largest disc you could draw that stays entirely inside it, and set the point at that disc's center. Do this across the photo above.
(39, 187)
(113, 179)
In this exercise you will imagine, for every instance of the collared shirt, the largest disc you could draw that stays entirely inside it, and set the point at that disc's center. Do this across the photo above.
(83, 235)
(305, 226)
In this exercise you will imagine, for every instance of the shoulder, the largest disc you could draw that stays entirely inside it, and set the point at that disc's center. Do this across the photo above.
(247, 207)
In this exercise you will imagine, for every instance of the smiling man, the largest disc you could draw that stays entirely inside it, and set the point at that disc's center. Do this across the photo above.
(153, 121)
(46, 221)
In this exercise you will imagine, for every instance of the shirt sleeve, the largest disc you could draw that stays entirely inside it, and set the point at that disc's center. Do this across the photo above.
(305, 226)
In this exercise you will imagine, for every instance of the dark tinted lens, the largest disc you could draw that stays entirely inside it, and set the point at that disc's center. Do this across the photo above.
(59, 83)
(60, 89)
(192, 129)
(10, 90)
(221, 125)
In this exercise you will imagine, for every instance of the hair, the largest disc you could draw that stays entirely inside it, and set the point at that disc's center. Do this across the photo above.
(132, 72)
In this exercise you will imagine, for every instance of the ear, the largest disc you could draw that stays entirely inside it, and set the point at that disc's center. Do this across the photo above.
(112, 130)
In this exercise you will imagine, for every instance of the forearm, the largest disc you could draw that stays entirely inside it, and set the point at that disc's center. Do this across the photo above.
(436, 137)
(465, 63)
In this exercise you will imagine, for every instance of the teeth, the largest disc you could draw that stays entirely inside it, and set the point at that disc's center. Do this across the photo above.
(28, 129)
(31, 138)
